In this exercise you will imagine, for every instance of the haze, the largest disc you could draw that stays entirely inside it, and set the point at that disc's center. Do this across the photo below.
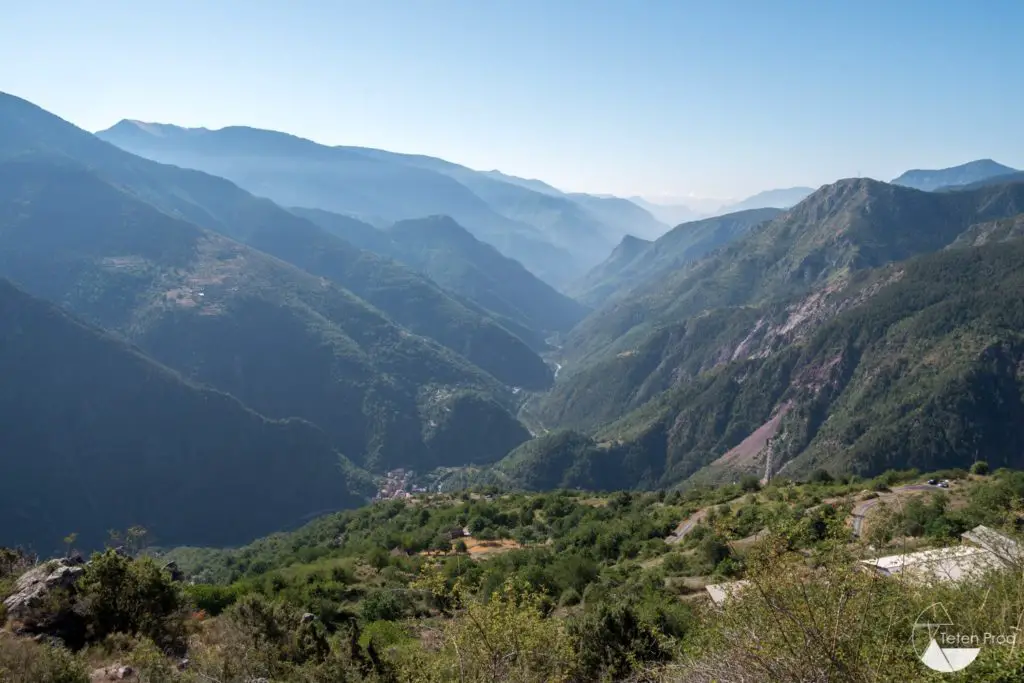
(668, 100)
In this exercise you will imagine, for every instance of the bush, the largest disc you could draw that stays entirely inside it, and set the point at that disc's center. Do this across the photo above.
(383, 605)
(212, 599)
(821, 476)
(122, 595)
(612, 640)
(570, 597)
(749, 484)
(980, 468)
(23, 661)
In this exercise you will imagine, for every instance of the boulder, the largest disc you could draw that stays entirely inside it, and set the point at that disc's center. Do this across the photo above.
(43, 601)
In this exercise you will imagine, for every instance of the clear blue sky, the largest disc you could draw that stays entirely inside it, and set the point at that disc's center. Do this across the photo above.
(655, 97)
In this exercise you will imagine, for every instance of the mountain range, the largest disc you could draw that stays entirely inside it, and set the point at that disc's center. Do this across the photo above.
(762, 345)
(553, 235)
(237, 294)
(451, 256)
(181, 348)
(782, 198)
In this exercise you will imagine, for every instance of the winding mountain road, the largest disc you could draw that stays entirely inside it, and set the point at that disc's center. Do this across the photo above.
(686, 526)
(861, 509)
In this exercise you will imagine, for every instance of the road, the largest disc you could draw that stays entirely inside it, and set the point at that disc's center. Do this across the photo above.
(861, 509)
(686, 526)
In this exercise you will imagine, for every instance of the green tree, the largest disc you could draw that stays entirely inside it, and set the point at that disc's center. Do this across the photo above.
(383, 605)
(980, 468)
(125, 595)
(69, 542)
(612, 641)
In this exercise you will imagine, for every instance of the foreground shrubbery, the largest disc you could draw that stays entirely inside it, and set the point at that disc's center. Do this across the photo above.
(593, 594)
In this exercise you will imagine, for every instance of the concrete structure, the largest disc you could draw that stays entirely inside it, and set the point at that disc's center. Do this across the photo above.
(983, 550)
(718, 592)
(955, 563)
(1003, 547)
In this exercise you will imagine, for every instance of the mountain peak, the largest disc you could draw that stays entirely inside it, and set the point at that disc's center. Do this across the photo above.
(964, 174)
(135, 126)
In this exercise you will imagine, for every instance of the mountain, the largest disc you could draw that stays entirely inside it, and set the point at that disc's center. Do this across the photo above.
(454, 258)
(380, 187)
(850, 225)
(217, 204)
(528, 183)
(1004, 179)
(635, 262)
(915, 364)
(623, 215)
(669, 214)
(714, 357)
(964, 174)
(782, 198)
(562, 220)
(285, 342)
(97, 436)
(674, 328)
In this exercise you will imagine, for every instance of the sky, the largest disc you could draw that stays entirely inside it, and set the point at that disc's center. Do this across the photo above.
(666, 99)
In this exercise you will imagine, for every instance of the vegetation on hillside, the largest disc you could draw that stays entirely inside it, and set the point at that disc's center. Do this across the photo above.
(286, 343)
(97, 436)
(558, 586)
(454, 258)
(633, 264)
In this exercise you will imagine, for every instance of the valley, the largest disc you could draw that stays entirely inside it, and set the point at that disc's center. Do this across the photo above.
(510, 344)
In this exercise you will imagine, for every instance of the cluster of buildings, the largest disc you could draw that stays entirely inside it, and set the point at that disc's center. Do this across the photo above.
(398, 484)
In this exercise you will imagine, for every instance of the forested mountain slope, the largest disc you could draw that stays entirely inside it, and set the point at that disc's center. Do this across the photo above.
(285, 342)
(458, 261)
(634, 263)
(219, 205)
(916, 364)
(97, 436)
(850, 225)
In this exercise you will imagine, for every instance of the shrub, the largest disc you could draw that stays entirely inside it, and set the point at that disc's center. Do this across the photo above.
(212, 599)
(122, 595)
(612, 639)
(980, 468)
(383, 605)
(821, 476)
(505, 638)
(749, 483)
(569, 597)
(24, 661)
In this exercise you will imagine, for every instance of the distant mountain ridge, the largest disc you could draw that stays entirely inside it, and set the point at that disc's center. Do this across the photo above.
(782, 198)
(117, 239)
(552, 234)
(451, 256)
(634, 262)
(964, 174)
(219, 205)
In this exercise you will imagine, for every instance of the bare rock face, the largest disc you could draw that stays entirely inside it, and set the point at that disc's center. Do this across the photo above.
(43, 601)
